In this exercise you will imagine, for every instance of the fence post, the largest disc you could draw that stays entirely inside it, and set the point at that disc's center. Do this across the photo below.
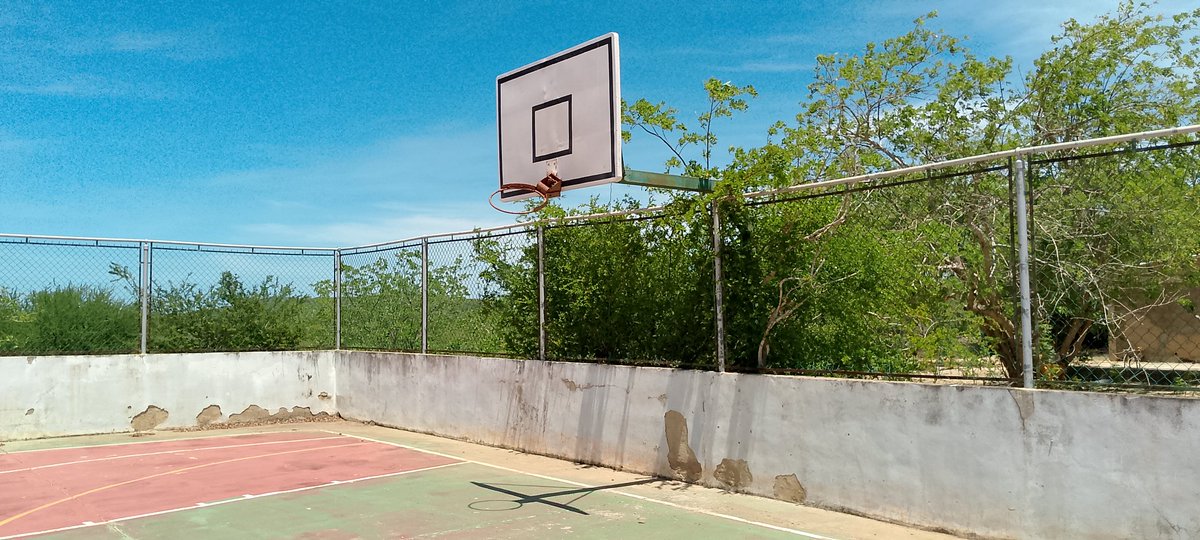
(337, 299)
(541, 292)
(144, 293)
(718, 286)
(424, 295)
(1023, 266)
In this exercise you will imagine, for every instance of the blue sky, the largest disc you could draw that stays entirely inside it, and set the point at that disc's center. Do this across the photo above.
(335, 124)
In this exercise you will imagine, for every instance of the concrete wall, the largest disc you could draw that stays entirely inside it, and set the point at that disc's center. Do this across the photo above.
(990, 461)
(72, 395)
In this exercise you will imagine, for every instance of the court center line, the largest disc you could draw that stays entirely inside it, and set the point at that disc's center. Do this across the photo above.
(202, 505)
(580, 484)
(160, 441)
(181, 470)
(162, 452)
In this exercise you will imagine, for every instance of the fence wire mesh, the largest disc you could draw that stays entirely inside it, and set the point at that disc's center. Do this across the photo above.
(1115, 266)
(381, 298)
(909, 279)
(206, 298)
(477, 289)
(68, 297)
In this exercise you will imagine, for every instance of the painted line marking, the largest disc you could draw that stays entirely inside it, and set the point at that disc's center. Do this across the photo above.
(144, 454)
(580, 484)
(180, 470)
(237, 499)
(160, 441)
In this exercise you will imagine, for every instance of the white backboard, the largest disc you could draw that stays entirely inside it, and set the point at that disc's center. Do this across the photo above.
(563, 110)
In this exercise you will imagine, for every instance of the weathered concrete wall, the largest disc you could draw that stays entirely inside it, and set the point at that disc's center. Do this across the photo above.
(990, 461)
(47, 396)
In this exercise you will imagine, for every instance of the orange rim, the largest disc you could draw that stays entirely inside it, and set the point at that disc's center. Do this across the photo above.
(526, 187)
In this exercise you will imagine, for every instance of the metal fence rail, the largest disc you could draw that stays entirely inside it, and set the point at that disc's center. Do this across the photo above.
(1070, 265)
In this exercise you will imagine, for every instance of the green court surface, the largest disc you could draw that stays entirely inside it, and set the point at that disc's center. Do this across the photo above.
(472, 491)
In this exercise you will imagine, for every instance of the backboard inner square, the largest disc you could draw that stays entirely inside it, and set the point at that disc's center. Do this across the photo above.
(552, 129)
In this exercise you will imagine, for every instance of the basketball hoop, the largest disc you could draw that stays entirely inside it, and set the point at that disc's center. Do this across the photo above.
(548, 187)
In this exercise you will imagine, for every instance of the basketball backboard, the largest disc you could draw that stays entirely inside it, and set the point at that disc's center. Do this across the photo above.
(561, 114)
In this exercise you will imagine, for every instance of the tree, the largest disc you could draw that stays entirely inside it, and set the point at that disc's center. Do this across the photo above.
(1099, 256)
(923, 97)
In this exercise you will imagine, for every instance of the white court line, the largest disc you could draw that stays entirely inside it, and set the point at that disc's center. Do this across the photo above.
(181, 450)
(573, 483)
(227, 501)
(160, 441)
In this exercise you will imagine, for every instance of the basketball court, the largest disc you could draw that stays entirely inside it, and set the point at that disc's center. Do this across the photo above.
(349, 480)
(559, 123)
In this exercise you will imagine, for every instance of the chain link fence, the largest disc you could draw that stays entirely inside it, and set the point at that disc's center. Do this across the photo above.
(907, 275)
(913, 278)
(82, 296)
(1115, 266)
(216, 298)
(66, 296)
(381, 297)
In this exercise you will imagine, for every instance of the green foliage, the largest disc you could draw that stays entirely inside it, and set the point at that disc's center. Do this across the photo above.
(228, 316)
(381, 307)
(12, 318)
(620, 290)
(68, 320)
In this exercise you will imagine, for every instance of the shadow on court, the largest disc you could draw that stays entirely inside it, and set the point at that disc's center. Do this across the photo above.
(520, 499)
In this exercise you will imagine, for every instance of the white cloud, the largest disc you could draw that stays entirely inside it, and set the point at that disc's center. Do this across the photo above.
(428, 166)
(182, 45)
(142, 41)
(374, 230)
(771, 66)
(11, 144)
(392, 188)
(82, 85)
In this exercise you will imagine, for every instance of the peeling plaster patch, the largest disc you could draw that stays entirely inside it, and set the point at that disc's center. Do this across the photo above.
(323, 395)
(254, 413)
(210, 414)
(28, 412)
(734, 474)
(789, 488)
(680, 456)
(149, 418)
(251, 414)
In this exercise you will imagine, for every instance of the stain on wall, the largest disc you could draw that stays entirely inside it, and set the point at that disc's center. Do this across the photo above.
(149, 419)
(573, 386)
(789, 488)
(733, 474)
(680, 456)
(210, 414)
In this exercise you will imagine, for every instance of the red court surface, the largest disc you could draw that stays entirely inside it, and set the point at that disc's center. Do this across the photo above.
(61, 488)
